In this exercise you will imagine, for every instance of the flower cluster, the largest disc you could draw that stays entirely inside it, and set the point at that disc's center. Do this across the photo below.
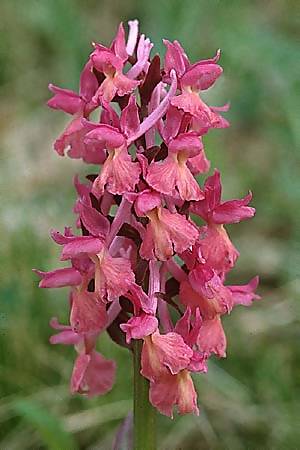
(140, 267)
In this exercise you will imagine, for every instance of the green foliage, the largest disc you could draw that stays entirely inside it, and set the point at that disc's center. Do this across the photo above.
(48, 426)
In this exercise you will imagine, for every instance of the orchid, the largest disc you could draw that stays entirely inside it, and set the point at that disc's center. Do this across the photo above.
(137, 260)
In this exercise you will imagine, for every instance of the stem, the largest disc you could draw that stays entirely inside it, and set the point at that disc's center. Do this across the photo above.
(144, 420)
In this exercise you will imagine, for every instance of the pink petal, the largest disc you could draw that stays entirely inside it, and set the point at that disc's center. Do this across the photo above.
(146, 201)
(198, 164)
(88, 82)
(130, 121)
(119, 174)
(233, 211)
(66, 337)
(124, 85)
(217, 249)
(62, 239)
(156, 243)
(182, 232)
(100, 375)
(213, 60)
(73, 138)
(214, 296)
(107, 137)
(171, 390)
(59, 278)
(118, 45)
(82, 189)
(211, 338)
(162, 176)
(175, 58)
(65, 100)
(164, 351)
(87, 314)
(183, 325)
(105, 93)
(109, 117)
(189, 143)
(114, 277)
(212, 192)
(201, 76)
(208, 307)
(170, 174)
(142, 63)
(141, 300)
(58, 326)
(198, 363)
(191, 103)
(172, 123)
(244, 295)
(80, 367)
(105, 61)
(94, 221)
(165, 233)
(82, 244)
(139, 327)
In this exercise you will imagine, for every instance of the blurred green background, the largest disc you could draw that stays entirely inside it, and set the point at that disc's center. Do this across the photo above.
(248, 401)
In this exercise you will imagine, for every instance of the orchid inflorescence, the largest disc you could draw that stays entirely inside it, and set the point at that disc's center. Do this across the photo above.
(142, 269)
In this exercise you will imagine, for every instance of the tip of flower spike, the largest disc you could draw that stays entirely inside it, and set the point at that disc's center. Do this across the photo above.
(133, 22)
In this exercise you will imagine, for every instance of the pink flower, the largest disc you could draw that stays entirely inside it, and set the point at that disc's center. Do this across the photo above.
(93, 220)
(173, 173)
(138, 327)
(66, 335)
(115, 82)
(78, 105)
(166, 232)
(68, 276)
(73, 138)
(214, 243)
(88, 315)
(71, 102)
(158, 356)
(140, 268)
(211, 337)
(173, 127)
(192, 80)
(113, 276)
(217, 249)
(92, 374)
(188, 327)
(174, 390)
(205, 291)
(109, 284)
(119, 173)
(244, 295)
(141, 301)
(214, 212)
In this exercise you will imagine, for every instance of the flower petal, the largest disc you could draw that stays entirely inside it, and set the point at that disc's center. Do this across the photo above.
(59, 278)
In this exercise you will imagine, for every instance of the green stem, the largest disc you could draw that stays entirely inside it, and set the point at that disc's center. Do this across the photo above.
(144, 421)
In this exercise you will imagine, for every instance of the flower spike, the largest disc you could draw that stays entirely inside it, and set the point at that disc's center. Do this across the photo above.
(139, 265)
